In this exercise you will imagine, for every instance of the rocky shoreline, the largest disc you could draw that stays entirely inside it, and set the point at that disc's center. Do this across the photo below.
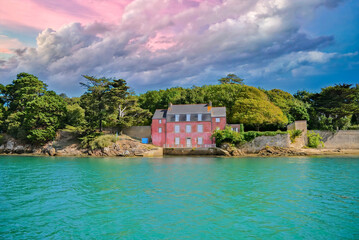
(68, 145)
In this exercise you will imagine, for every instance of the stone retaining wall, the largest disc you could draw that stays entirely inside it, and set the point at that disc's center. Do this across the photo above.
(346, 139)
(279, 140)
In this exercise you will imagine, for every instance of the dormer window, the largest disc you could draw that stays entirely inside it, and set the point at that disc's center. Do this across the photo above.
(200, 117)
(188, 117)
(177, 117)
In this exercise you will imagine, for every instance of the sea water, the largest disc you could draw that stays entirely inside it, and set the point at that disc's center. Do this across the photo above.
(179, 198)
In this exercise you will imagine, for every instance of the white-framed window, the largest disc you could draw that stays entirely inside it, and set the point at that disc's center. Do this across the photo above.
(218, 119)
(177, 128)
(177, 117)
(200, 128)
(188, 117)
(160, 121)
(159, 130)
(177, 140)
(217, 128)
(199, 116)
(188, 128)
(200, 141)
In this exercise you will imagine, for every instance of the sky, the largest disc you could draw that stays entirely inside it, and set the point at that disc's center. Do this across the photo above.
(156, 44)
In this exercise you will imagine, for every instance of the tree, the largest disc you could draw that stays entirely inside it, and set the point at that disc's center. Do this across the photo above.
(231, 79)
(337, 102)
(24, 89)
(129, 113)
(258, 112)
(43, 116)
(95, 100)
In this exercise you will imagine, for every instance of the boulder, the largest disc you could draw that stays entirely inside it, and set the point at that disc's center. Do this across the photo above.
(19, 149)
(9, 147)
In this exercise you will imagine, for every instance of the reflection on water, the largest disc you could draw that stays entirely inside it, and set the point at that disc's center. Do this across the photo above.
(177, 198)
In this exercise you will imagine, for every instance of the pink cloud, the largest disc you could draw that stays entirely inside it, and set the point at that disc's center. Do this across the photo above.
(40, 14)
(8, 44)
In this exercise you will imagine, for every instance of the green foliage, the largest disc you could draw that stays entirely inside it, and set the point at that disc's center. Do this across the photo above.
(227, 136)
(44, 116)
(294, 134)
(314, 140)
(258, 112)
(231, 79)
(241, 128)
(75, 115)
(2, 139)
(337, 103)
(97, 141)
(353, 127)
(235, 138)
(87, 140)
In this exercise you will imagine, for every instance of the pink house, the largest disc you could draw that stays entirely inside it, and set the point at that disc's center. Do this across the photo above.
(188, 125)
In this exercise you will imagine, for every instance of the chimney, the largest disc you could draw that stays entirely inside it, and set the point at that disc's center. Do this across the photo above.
(169, 106)
(209, 106)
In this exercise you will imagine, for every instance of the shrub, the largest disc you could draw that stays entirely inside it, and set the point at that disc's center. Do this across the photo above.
(294, 134)
(87, 140)
(235, 138)
(97, 140)
(2, 139)
(103, 141)
(227, 135)
(353, 127)
(241, 128)
(314, 140)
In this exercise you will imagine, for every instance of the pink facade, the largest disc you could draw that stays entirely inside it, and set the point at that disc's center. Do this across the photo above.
(158, 138)
(187, 125)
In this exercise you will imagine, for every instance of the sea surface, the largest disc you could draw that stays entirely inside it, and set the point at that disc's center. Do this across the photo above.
(179, 198)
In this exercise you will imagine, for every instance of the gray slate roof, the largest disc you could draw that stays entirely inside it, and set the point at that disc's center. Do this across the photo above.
(218, 111)
(160, 113)
(188, 108)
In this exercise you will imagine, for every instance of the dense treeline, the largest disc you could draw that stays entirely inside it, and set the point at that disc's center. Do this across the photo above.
(335, 107)
(31, 112)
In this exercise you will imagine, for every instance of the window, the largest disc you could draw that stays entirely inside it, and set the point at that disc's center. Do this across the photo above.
(188, 117)
(177, 117)
(218, 119)
(188, 129)
(159, 130)
(177, 129)
(217, 128)
(160, 121)
(177, 140)
(200, 128)
(200, 141)
(200, 117)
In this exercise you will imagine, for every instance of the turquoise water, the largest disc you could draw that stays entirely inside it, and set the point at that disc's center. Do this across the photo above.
(179, 198)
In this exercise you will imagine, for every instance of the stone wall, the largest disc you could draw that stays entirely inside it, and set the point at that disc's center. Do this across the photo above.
(193, 151)
(279, 140)
(346, 139)
(138, 132)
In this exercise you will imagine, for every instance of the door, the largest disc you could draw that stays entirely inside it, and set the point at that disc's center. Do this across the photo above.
(188, 142)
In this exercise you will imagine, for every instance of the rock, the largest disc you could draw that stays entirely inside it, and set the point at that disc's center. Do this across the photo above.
(126, 153)
(2, 148)
(279, 151)
(49, 150)
(236, 152)
(19, 149)
(9, 147)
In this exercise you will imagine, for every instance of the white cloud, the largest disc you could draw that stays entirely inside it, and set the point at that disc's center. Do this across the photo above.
(161, 42)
